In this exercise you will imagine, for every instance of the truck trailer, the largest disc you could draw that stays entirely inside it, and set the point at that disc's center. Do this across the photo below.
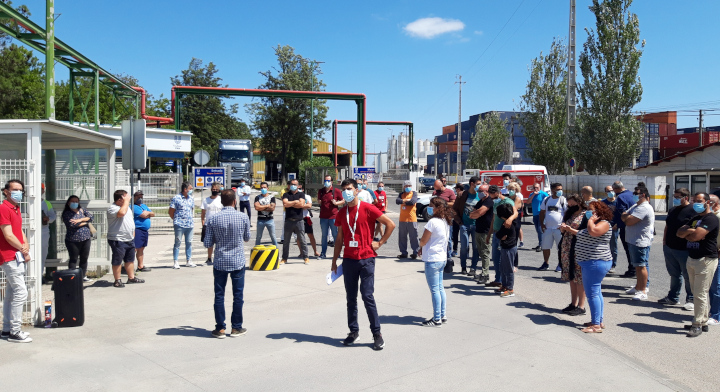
(238, 154)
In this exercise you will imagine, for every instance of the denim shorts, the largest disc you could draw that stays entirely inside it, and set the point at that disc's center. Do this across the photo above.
(141, 238)
(122, 252)
(639, 255)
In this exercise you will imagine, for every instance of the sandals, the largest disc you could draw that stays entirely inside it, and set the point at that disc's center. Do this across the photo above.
(118, 283)
(602, 325)
(592, 329)
(136, 280)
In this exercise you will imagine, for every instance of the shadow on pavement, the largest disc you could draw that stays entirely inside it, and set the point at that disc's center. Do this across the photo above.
(401, 320)
(186, 331)
(474, 289)
(306, 338)
(552, 279)
(547, 319)
(640, 327)
(668, 316)
(100, 283)
(534, 306)
(628, 300)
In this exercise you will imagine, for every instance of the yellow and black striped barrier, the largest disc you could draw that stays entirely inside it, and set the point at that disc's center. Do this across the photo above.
(264, 258)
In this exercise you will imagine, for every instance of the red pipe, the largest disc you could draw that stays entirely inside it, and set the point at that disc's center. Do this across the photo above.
(161, 120)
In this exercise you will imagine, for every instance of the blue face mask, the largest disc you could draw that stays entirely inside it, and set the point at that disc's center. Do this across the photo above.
(558, 193)
(263, 191)
(699, 207)
(430, 211)
(477, 188)
(222, 188)
(506, 182)
(16, 196)
(380, 188)
(293, 188)
(511, 193)
(497, 200)
(74, 206)
(611, 195)
(676, 201)
(588, 214)
(408, 189)
(636, 198)
(348, 195)
(190, 192)
(328, 184)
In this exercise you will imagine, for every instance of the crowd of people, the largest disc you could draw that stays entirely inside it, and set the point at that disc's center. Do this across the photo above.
(485, 218)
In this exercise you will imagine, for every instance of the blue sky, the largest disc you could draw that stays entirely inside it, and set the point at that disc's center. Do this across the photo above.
(406, 69)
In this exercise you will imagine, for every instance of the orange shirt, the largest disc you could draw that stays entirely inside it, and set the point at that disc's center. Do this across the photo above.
(407, 213)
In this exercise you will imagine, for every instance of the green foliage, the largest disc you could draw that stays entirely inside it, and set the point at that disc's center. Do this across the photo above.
(607, 135)
(207, 117)
(315, 161)
(283, 124)
(23, 10)
(22, 86)
(490, 143)
(124, 108)
(545, 110)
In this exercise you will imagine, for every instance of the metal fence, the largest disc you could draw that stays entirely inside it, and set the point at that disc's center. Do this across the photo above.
(98, 247)
(18, 169)
(84, 186)
(158, 190)
(315, 177)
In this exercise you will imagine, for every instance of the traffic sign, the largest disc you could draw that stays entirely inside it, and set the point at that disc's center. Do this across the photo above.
(205, 176)
(134, 149)
(201, 157)
(365, 173)
(572, 162)
(170, 163)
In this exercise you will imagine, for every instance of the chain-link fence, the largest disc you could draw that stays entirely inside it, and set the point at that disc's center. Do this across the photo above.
(19, 169)
(84, 186)
(158, 190)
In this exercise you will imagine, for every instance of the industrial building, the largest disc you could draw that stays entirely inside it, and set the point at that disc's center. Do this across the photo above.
(270, 170)
(397, 152)
(447, 147)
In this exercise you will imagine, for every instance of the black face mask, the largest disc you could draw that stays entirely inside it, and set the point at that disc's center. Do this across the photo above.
(139, 201)
(573, 209)
(215, 193)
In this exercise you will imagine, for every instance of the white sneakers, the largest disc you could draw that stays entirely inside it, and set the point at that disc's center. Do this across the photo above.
(689, 306)
(638, 295)
(712, 321)
(190, 264)
(176, 265)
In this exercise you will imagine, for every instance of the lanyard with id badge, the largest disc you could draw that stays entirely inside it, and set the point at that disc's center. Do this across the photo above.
(352, 243)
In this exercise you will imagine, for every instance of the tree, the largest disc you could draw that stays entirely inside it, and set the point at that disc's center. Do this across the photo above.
(315, 161)
(22, 84)
(607, 134)
(489, 142)
(544, 108)
(283, 124)
(22, 10)
(207, 117)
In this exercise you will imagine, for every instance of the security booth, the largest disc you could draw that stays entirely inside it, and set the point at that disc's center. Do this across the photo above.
(69, 160)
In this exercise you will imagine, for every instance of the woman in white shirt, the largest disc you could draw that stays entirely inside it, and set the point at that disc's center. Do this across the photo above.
(433, 245)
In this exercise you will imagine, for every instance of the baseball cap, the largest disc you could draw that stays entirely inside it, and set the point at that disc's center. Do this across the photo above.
(138, 193)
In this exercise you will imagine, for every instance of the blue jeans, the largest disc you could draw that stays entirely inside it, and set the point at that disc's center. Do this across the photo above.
(179, 233)
(538, 227)
(449, 247)
(434, 277)
(496, 257)
(593, 272)
(326, 224)
(507, 263)
(467, 232)
(269, 224)
(364, 271)
(613, 247)
(676, 264)
(715, 296)
(237, 278)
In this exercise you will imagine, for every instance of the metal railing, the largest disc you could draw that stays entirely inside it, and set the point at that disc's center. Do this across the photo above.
(158, 190)
(84, 186)
(98, 246)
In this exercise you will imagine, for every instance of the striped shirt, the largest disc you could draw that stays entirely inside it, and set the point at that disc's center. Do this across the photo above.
(588, 247)
(226, 231)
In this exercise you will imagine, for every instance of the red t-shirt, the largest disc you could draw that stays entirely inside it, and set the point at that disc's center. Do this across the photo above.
(328, 210)
(448, 195)
(364, 230)
(10, 215)
(381, 200)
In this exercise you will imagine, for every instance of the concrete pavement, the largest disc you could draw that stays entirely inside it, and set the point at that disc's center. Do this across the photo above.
(156, 336)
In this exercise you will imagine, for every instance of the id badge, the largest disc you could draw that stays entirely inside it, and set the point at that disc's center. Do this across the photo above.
(353, 244)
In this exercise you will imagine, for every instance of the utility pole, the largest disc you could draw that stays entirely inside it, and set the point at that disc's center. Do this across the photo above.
(459, 130)
(571, 86)
(351, 148)
(50, 60)
(701, 129)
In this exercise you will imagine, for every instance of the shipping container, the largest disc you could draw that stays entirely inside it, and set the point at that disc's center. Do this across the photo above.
(449, 129)
(663, 129)
(671, 129)
(659, 118)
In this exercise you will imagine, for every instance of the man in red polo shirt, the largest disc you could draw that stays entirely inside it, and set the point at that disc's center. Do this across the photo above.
(381, 203)
(330, 200)
(12, 241)
(356, 222)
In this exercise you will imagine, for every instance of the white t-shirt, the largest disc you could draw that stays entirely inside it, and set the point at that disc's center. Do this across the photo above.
(211, 207)
(240, 191)
(436, 249)
(641, 233)
(554, 211)
(308, 200)
(120, 228)
(365, 196)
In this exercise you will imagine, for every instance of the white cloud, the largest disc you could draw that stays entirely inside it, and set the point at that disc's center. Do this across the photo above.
(431, 27)
(478, 32)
